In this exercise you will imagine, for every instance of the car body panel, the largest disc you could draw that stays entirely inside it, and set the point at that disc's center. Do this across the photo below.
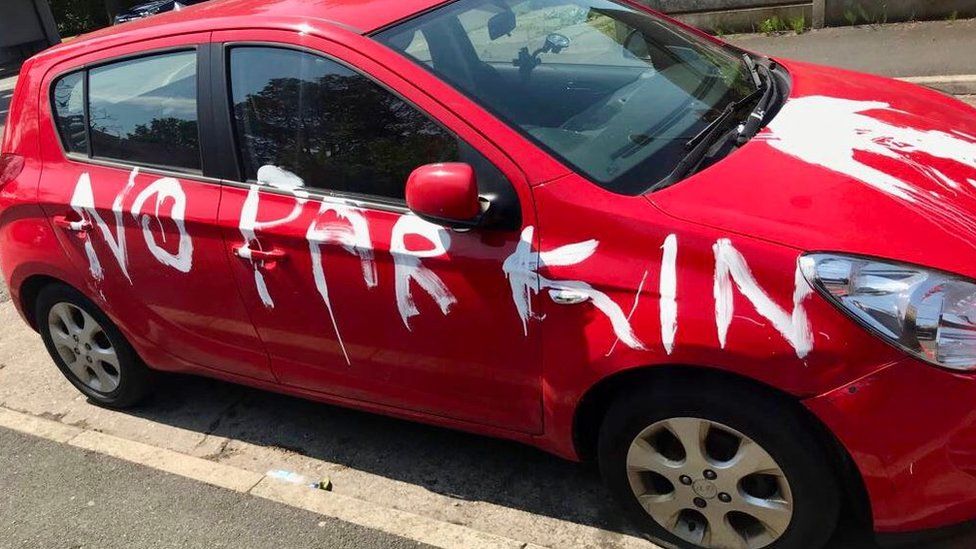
(188, 309)
(912, 432)
(803, 184)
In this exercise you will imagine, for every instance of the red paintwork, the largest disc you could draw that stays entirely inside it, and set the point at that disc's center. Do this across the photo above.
(446, 191)
(474, 368)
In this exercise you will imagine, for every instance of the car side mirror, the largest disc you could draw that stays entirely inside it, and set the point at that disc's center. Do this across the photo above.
(446, 194)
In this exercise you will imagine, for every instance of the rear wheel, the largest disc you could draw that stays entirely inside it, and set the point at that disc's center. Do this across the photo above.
(718, 466)
(89, 350)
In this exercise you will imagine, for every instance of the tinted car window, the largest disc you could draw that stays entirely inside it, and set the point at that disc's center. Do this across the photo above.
(69, 112)
(329, 125)
(614, 91)
(145, 111)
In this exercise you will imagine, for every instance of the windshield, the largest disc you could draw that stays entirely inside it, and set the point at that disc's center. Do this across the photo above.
(613, 91)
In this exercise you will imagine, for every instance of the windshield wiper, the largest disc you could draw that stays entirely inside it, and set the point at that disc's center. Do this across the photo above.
(758, 114)
(753, 71)
(702, 142)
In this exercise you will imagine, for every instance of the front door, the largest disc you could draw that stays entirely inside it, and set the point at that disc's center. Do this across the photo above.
(352, 294)
(131, 207)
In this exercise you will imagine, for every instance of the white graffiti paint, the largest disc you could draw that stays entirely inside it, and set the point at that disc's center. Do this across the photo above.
(280, 178)
(408, 266)
(166, 188)
(731, 266)
(843, 135)
(249, 226)
(522, 269)
(350, 230)
(669, 292)
(83, 203)
(633, 309)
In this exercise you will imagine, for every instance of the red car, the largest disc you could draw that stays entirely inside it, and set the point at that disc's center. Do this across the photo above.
(746, 286)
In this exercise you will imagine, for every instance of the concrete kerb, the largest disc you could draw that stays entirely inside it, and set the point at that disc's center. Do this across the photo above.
(960, 84)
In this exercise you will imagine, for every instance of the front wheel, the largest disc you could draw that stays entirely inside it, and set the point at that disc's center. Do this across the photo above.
(88, 348)
(718, 465)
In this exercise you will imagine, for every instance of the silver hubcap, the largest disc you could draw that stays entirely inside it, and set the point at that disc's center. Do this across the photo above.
(84, 346)
(709, 484)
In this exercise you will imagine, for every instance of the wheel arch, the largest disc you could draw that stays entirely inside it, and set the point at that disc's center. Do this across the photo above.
(28, 291)
(595, 403)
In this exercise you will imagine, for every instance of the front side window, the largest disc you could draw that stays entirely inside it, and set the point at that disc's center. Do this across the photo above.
(613, 91)
(330, 126)
(144, 111)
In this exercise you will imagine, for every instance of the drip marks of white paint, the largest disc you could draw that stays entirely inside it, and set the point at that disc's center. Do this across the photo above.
(633, 309)
(249, 225)
(522, 269)
(83, 203)
(350, 230)
(407, 265)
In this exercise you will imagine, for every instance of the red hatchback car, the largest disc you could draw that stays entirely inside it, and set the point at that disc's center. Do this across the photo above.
(746, 286)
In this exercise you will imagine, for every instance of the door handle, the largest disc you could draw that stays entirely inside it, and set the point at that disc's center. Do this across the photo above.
(80, 226)
(567, 297)
(259, 256)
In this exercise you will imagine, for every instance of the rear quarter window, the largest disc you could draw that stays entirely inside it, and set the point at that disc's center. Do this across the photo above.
(69, 112)
(139, 111)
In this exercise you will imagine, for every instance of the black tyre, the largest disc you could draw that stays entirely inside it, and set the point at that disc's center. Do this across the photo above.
(89, 349)
(707, 463)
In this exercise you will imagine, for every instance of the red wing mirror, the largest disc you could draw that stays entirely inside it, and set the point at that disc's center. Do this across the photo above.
(446, 194)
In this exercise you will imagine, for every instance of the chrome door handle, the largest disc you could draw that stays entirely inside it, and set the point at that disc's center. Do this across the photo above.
(259, 256)
(567, 297)
(81, 226)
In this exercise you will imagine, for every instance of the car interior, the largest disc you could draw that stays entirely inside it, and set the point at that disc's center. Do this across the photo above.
(606, 89)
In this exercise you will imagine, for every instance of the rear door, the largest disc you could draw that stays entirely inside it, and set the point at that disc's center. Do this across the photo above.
(352, 294)
(131, 205)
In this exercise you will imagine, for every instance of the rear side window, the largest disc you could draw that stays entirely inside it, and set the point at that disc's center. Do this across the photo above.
(329, 125)
(140, 111)
(69, 111)
(145, 111)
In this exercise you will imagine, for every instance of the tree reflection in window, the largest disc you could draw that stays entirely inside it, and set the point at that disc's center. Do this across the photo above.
(333, 127)
(145, 110)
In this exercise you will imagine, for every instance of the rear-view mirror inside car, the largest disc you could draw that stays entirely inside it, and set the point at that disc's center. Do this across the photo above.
(501, 24)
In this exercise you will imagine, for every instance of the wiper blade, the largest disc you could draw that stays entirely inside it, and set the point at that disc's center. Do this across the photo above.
(720, 120)
(710, 128)
(753, 71)
(701, 143)
(758, 114)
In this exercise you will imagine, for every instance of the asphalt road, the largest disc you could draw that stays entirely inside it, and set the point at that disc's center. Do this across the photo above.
(60, 496)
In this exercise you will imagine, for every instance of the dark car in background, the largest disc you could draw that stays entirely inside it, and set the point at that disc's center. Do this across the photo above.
(152, 8)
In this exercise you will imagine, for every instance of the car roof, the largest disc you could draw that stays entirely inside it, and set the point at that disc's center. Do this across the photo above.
(364, 16)
(358, 16)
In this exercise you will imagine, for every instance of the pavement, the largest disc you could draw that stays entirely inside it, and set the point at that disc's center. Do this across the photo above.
(916, 51)
(902, 49)
(60, 496)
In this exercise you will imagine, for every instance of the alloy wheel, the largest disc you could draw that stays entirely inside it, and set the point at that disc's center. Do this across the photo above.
(709, 484)
(84, 347)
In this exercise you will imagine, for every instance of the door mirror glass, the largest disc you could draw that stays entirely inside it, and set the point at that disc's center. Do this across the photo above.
(446, 194)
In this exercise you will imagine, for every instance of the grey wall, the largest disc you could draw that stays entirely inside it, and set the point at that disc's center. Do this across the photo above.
(26, 27)
(694, 6)
(745, 15)
(896, 10)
